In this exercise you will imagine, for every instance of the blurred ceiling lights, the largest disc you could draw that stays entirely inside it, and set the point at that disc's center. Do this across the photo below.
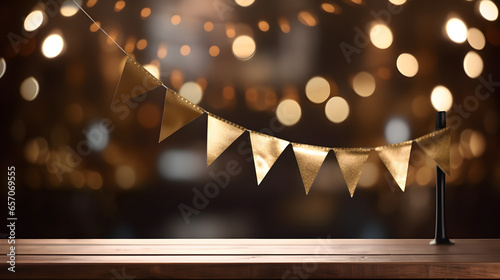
(33, 21)
(52, 45)
(317, 89)
(441, 98)
(288, 112)
(29, 89)
(456, 30)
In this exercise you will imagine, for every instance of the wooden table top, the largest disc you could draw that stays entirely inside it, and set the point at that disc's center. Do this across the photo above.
(250, 258)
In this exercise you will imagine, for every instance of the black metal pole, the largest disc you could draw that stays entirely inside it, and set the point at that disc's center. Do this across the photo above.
(440, 238)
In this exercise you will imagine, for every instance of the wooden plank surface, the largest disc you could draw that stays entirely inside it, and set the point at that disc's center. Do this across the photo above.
(251, 258)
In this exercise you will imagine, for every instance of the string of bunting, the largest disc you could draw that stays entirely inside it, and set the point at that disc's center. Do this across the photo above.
(178, 112)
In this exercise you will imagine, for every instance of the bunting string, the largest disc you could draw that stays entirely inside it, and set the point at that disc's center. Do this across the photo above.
(178, 112)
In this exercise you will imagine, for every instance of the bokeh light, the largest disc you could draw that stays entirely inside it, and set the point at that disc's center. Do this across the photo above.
(214, 51)
(284, 25)
(397, 130)
(476, 38)
(185, 50)
(119, 5)
(97, 136)
(162, 51)
(337, 109)
(33, 21)
(69, 8)
(317, 89)
(52, 45)
(397, 2)
(477, 143)
(192, 92)
(307, 19)
(381, 36)
(244, 3)
(177, 78)
(407, 64)
(288, 112)
(363, 84)
(142, 44)
(244, 47)
(456, 30)
(145, 12)
(91, 3)
(263, 26)
(125, 176)
(176, 19)
(328, 7)
(181, 165)
(473, 64)
(208, 26)
(230, 31)
(95, 26)
(441, 98)
(36, 150)
(3, 67)
(488, 10)
(29, 89)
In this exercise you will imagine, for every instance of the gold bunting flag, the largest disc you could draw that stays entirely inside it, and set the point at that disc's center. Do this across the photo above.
(396, 158)
(220, 134)
(134, 81)
(266, 150)
(309, 159)
(437, 146)
(177, 112)
(351, 164)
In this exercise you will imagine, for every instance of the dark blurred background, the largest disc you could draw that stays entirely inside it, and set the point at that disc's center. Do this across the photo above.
(351, 73)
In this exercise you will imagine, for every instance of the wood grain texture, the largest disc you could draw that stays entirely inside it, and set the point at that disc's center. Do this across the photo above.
(251, 258)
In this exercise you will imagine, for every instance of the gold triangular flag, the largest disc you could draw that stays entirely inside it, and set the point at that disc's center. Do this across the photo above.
(220, 134)
(177, 112)
(309, 159)
(266, 150)
(134, 81)
(351, 164)
(396, 158)
(437, 146)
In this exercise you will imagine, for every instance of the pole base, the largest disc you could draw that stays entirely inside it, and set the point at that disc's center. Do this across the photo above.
(440, 241)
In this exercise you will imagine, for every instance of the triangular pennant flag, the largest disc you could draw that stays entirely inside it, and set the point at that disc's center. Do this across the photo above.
(351, 164)
(396, 158)
(309, 159)
(134, 81)
(220, 134)
(177, 112)
(266, 150)
(437, 146)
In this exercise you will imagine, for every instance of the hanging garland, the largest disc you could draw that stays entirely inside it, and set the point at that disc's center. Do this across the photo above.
(178, 112)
